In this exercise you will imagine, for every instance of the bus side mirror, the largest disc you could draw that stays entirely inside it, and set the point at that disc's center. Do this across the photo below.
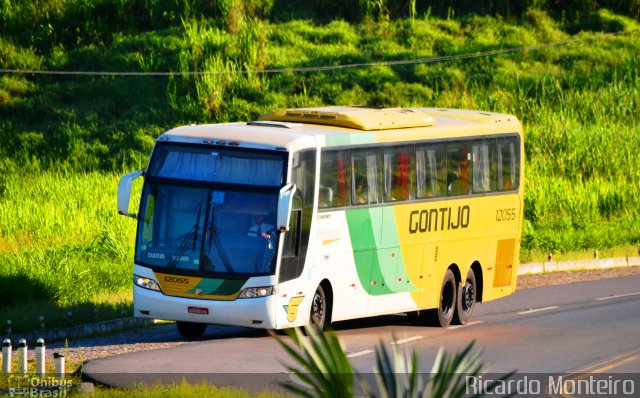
(124, 193)
(285, 201)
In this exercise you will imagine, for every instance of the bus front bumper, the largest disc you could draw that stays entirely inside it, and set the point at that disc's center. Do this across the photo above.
(250, 312)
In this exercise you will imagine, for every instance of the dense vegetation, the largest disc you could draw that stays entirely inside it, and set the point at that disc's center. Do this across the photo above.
(86, 86)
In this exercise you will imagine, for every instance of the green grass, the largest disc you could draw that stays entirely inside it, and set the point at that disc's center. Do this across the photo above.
(40, 210)
(63, 247)
(25, 316)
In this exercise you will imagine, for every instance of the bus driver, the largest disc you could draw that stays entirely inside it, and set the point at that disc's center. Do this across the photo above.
(260, 228)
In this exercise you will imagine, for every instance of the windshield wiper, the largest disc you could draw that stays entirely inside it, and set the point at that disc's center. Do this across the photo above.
(181, 248)
(195, 233)
(185, 241)
(213, 236)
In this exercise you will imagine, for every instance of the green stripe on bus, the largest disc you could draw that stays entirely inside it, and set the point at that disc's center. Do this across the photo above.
(222, 287)
(364, 251)
(390, 255)
(381, 271)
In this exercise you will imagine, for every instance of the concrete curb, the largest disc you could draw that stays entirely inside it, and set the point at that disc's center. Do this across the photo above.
(50, 335)
(575, 265)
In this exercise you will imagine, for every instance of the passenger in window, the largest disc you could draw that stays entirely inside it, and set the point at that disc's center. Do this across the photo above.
(507, 185)
(457, 183)
(260, 228)
(325, 197)
(361, 195)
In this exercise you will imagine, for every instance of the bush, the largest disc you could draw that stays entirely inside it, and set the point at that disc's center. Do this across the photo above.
(324, 369)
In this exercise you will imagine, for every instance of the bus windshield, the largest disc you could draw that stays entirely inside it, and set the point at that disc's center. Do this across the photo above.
(206, 230)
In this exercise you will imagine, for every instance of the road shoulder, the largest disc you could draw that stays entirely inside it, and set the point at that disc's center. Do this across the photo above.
(560, 278)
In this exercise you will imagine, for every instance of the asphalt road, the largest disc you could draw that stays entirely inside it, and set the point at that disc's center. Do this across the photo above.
(563, 330)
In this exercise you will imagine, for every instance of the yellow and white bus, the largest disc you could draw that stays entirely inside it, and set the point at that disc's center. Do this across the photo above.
(328, 214)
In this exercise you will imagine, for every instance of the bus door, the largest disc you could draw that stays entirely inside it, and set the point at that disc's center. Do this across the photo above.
(296, 241)
(290, 266)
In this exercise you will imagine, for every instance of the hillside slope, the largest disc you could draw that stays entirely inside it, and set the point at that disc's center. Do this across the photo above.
(82, 91)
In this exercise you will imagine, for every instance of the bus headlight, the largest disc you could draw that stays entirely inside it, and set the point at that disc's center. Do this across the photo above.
(146, 283)
(253, 292)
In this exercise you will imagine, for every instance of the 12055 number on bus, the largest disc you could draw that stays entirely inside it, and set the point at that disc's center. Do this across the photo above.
(506, 214)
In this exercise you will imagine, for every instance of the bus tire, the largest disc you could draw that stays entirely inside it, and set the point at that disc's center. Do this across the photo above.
(191, 330)
(466, 299)
(319, 314)
(443, 315)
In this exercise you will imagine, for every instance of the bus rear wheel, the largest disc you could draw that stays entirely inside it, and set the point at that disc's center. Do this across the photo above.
(191, 330)
(443, 315)
(466, 299)
(319, 314)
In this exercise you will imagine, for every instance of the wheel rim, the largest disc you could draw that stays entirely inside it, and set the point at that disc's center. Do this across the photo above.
(317, 310)
(468, 295)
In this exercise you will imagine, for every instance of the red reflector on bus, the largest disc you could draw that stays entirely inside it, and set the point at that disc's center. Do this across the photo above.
(198, 310)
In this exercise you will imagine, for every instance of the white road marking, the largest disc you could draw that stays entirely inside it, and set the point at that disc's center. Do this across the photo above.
(461, 326)
(531, 311)
(617, 296)
(360, 353)
(407, 340)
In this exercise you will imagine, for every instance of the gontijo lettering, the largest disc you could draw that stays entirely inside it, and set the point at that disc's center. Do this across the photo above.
(440, 219)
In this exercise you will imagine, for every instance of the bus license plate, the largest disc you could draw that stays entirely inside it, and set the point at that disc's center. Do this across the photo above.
(198, 310)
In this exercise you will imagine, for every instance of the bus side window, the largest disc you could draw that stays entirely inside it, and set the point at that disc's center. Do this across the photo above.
(335, 179)
(365, 176)
(398, 176)
(484, 166)
(508, 164)
(431, 171)
(459, 167)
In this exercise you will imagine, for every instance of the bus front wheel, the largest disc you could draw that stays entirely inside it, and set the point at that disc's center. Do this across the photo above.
(319, 309)
(466, 299)
(191, 330)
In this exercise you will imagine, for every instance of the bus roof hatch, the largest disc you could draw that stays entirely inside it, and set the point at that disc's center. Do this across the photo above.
(360, 118)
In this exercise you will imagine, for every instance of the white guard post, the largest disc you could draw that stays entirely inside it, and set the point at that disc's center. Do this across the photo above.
(22, 356)
(6, 356)
(40, 355)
